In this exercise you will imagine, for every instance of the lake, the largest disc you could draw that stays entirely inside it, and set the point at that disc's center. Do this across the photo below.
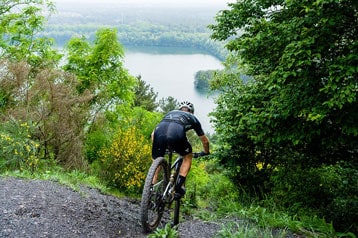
(171, 72)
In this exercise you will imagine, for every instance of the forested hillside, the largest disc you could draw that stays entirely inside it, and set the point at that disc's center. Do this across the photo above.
(284, 153)
(173, 25)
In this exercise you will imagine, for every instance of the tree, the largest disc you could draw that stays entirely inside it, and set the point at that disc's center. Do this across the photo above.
(20, 22)
(202, 79)
(32, 89)
(145, 96)
(305, 82)
(100, 70)
(299, 109)
(168, 104)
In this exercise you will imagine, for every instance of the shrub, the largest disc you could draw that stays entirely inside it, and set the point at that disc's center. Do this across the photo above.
(17, 150)
(329, 191)
(125, 162)
(197, 180)
(49, 99)
(95, 142)
(213, 188)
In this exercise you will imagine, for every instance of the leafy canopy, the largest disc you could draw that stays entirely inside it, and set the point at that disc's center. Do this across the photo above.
(100, 70)
(20, 23)
(302, 56)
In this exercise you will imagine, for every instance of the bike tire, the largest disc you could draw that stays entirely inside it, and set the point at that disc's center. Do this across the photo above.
(152, 205)
(176, 212)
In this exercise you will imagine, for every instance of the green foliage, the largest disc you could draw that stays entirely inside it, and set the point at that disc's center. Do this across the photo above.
(202, 79)
(196, 181)
(220, 186)
(298, 109)
(168, 104)
(210, 189)
(18, 151)
(102, 131)
(145, 121)
(125, 162)
(290, 96)
(166, 232)
(31, 87)
(100, 70)
(329, 191)
(209, 184)
(20, 22)
(95, 142)
(145, 96)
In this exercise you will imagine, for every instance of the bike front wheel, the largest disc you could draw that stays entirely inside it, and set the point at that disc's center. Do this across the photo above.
(152, 204)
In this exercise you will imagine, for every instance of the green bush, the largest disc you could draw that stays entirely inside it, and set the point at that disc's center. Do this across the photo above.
(95, 142)
(17, 150)
(329, 191)
(213, 189)
(197, 180)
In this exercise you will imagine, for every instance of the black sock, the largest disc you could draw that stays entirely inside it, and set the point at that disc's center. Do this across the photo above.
(180, 181)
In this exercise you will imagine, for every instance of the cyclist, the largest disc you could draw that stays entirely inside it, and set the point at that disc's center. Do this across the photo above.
(171, 131)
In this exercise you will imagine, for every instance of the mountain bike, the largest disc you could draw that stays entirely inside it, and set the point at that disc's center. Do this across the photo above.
(159, 191)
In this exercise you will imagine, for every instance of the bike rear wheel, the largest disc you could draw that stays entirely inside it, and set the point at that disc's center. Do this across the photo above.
(152, 204)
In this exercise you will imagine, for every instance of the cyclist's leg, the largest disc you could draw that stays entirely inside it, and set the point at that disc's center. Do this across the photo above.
(183, 172)
(160, 138)
(176, 138)
(186, 165)
(159, 144)
(184, 149)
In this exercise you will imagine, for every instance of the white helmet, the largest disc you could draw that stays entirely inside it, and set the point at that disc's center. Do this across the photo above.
(188, 105)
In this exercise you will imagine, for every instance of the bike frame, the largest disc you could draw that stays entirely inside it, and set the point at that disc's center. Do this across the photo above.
(174, 173)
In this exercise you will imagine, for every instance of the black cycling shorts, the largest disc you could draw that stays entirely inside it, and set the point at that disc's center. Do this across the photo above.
(170, 134)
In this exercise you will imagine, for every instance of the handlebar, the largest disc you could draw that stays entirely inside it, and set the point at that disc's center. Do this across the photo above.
(199, 154)
(195, 154)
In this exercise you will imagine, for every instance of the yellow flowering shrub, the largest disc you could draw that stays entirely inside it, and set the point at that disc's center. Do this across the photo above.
(125, 162)
(17, 150)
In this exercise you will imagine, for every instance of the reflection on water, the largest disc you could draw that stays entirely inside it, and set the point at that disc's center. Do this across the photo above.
(171, 73)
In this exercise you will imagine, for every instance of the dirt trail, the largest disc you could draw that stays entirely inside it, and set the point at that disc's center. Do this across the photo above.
(34, 208)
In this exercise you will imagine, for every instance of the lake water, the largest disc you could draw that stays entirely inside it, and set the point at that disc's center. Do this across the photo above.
(171, 72)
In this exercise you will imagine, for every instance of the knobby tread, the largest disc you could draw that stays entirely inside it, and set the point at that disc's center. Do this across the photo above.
(147, 225)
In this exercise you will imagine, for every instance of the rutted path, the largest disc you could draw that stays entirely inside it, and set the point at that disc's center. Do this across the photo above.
(36, 208)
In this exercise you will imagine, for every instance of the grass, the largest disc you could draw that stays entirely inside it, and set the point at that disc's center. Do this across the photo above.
(246, 229)
(256, 221)
(73, 179)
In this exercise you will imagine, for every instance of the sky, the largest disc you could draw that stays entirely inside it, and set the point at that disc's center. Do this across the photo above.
(154, 2)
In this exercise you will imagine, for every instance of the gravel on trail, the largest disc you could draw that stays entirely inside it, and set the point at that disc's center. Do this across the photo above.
(37, 208)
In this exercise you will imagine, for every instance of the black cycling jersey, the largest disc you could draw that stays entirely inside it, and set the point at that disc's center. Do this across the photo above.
(188, 120)
(171, 132)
